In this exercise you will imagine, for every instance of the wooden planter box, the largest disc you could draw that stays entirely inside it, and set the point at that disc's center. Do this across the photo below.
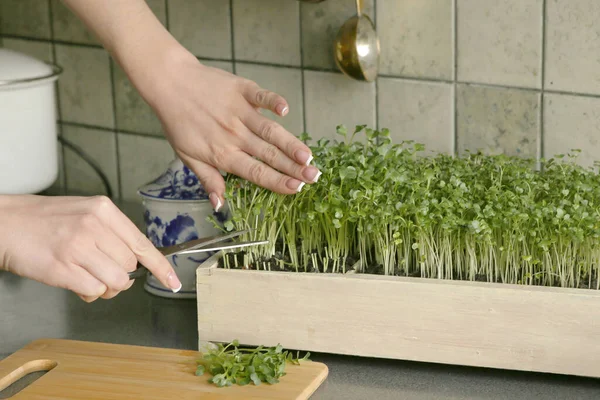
(514, 327)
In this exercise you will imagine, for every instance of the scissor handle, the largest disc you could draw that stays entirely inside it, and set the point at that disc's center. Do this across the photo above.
(139, 272)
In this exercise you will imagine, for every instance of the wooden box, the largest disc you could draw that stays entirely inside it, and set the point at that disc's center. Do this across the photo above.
(514, 327)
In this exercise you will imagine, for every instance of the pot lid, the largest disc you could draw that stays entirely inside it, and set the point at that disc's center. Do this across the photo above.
(15, 66)
(178, 182)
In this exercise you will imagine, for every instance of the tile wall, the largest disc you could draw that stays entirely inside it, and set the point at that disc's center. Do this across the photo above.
(517, 77)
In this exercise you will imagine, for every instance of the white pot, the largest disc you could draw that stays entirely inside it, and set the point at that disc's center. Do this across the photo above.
(28, 137)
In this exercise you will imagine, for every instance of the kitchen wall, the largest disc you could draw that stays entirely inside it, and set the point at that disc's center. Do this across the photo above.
(518, 77)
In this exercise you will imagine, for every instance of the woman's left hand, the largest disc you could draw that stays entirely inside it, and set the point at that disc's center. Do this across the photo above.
(212, 120)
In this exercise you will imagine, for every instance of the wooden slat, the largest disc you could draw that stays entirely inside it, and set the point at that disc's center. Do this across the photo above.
(86, 370)
(452, 322)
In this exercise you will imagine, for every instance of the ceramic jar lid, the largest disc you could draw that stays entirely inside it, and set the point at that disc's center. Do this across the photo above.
(177, 183)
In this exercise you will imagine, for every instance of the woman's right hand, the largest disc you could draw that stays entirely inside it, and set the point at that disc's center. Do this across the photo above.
(83, 244)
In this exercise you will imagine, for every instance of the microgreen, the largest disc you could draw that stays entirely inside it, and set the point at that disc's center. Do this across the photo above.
(390, 208)
(229, 364)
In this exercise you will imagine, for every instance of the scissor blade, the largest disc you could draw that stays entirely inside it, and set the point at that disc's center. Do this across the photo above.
(194, 244)
(224, 247)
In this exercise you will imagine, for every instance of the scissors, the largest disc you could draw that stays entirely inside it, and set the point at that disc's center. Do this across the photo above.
(199, 246)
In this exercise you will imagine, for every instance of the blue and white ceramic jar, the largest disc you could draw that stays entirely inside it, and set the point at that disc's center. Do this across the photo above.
(176, 209)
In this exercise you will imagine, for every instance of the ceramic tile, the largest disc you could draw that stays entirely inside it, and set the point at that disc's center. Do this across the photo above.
(40, 50)
(67, 27)
(498, 120)
(572, 57)
(132, 112)
(59, 185)
(202, 26)
(141, 159)
(333, 99)
(418, 111)
(416, 38)
(286, 82)
(500, 42)
(267, 31)
(320, 25)
(101, 147)
(572, 122)
(29, 18)
(85, 86)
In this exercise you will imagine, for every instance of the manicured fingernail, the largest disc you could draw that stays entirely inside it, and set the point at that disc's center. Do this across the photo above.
(174, 282)
(295, 184)
(309, 159)
(316, 179)
(215, 201)
(304, 157)
(311, 174)
(282, 109)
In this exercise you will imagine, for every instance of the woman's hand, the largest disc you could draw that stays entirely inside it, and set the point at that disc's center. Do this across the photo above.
(211, 117)
(83, 244)
(212, 121)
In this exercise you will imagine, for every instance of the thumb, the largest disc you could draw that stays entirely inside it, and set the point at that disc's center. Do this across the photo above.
(212, 181)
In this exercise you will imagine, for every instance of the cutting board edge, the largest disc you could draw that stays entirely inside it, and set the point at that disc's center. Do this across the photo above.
(25, 355)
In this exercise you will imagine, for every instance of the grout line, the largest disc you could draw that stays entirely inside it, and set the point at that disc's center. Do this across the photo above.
(302, 68)
(288, 66)
(167, 24)
(499, 86)
(61, 42)
(416, 78)
(455, 77)
(232, 33)
(214, 59)
(541, 129)
(105, 129)
(63, 162)
(114, 106)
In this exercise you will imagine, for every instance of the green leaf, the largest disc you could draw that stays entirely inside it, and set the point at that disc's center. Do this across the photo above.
(341, 130)
(255, 379)
(200, 370)
(348, 173)
(229, 225)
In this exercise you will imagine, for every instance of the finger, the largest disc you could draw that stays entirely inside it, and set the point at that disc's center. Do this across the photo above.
(137, 242)
(81, 282)
(263, 98)
(116, 249)
(261, 174)
(211, 180)
(104, 269)
(274, 157)
(273, 133)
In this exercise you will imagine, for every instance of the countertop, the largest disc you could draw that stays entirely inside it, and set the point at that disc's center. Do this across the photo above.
(29, 311)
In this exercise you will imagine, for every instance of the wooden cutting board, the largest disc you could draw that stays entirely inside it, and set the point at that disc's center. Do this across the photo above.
(87, 370)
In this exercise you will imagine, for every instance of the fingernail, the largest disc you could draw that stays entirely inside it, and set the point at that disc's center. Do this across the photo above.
(295, 184)
(282, 109)
(174, 282)
(316, 179)
(311, 174)
(303, 157)
(215, 201)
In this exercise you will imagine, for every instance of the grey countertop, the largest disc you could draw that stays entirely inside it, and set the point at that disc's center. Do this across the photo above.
(29, 311)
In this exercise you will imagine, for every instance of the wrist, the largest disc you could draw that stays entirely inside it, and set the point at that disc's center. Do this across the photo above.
(150, 57)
